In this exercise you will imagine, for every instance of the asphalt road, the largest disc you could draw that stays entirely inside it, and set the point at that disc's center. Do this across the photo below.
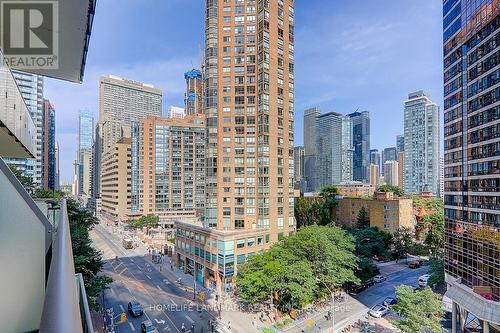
(164, 302)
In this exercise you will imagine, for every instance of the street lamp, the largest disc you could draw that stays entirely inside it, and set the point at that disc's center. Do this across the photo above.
(333, 303)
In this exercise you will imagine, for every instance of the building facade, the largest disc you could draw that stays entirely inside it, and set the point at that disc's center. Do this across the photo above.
(361, 144)
(386, 212)
(83, 161)
(121, 102)
(421, 144)
(375, 158)
(249, 96)
(298, 167)
(116, 200)
(171, 168)
(49, 147)
(176, 112)
(356, 189)
(471, 163)
(31, 88)
(391, 173)
(193, 97)
(374, 174)
(401, 169)
(388, 154)
(310, 149)
(400, 143)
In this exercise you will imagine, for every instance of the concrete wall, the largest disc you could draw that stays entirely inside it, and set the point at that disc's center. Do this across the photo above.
(22, 254)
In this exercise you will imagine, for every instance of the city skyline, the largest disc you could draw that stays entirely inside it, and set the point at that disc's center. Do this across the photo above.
(341, 88)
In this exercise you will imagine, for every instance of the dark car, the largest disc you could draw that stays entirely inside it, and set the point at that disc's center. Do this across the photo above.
(414, 264)
(390, 301)
(147, 327)
(135, 309)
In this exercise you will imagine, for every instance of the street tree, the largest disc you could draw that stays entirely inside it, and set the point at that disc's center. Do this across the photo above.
(436, 264)
(149, 221)
(421, 310)
(288, 272)
(402, 242)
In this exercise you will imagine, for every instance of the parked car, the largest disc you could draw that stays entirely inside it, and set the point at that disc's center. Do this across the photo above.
(370, 282)
(388, 301)
(414, 264)
(422, 280)
(135, 309)
(147, 327)
(356, 289)
(378, 310)
(379, 278)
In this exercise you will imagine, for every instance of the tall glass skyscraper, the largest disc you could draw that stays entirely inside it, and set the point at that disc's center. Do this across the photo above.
(361, 144)
(310, 149)
(84, 156)
(472, 162)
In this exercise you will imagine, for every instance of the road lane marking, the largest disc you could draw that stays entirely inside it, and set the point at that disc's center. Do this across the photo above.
(149, 277)
(131, 326)
(114, 292)
(189, 319)
(122, 308)
(157, 286)
(173, 303)
(124, 269)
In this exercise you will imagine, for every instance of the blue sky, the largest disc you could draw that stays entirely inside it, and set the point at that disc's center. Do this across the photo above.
(348, 55)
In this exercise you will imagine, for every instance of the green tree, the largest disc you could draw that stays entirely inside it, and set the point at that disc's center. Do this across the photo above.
(402, 241)
(307, 211)
(329, 194)
(24, 180)
(45, 194)
(363, 220)
(149, 221)
(436, 264)
(391, 188)
(290, 269)
(435, 204)
(434, 237)
(88, 260)
(421, 310)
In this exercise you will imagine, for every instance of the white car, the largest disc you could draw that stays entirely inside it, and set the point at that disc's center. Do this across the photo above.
(379, 278)
(422, 280)
(378, 311)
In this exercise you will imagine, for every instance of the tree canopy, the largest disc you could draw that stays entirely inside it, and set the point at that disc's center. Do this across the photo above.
(150, 221)
(363, 220)
(403, 240)
(297, 268)
(311, 211)
(421, 310)
(398, 191)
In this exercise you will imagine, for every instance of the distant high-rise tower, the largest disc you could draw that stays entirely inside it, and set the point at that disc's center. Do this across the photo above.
(472, 163)
(400, 143)
(49, 146)
(310, 149)
(389, 154)
(334, 149)
(193, 98)
(249, 105)
(84, 154)
(361, 143)
(421, 144)
(298, 167)
(391, 173)
(176, 112)
(121, 102)
(375, 158)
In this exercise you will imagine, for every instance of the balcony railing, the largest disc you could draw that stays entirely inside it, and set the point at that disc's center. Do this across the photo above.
(65, 306)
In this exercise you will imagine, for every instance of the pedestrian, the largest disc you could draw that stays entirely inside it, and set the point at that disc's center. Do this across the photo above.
(183, 328)
(212, 329)
(229, 325)
(253, 322)
(192, 328)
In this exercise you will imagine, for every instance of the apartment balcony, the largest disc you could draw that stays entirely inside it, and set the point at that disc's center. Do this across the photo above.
(42, 293)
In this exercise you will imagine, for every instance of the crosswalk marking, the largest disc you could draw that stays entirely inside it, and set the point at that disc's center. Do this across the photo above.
(189, 319)
(122, 308)
(131, 326)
